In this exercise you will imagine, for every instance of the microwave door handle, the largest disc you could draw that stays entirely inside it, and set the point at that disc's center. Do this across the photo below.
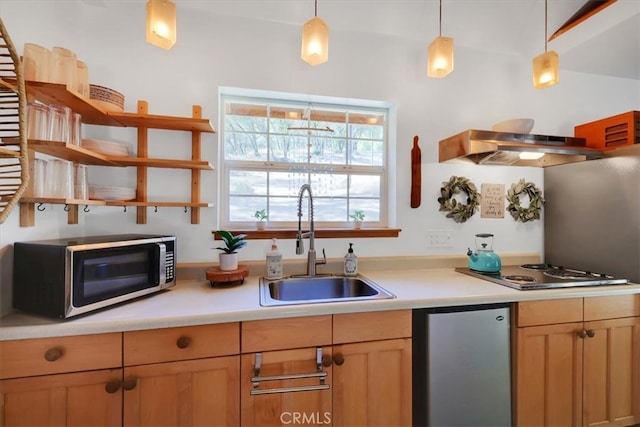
(161, 277)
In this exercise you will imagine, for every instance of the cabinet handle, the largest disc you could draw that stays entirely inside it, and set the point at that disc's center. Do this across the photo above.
(53, 354)
(326, 361)
(130, 383)
(582, 333)
(338, 359)
(112, 386)
(183, 342)
(320, 374)
(591, 333)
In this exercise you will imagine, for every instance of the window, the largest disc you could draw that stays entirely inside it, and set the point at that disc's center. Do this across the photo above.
(272, 143)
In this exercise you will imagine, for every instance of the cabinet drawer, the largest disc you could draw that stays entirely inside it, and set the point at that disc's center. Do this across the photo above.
(547, 312)
(371, 326)
(43, 356)
(278, 334)
(189, 342)
(611, 307)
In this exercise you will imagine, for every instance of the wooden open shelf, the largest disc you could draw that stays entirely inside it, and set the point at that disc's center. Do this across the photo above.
(91, 114)
(55, 93)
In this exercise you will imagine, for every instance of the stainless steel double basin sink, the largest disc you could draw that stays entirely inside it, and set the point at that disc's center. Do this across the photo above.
(318, 289)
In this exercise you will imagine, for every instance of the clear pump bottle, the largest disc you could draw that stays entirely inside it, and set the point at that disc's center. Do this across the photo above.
(350, 262)
(274, 261)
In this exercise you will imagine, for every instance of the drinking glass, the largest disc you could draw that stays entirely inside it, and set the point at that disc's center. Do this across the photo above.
(64, 67)
(37, 121)
(59, 123)
(59, 183)
(83, 79)
(81, 183)
(75, 129)
(37, 182)
(36, 61)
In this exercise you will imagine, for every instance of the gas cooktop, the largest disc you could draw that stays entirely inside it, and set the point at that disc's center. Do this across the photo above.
(543, 276)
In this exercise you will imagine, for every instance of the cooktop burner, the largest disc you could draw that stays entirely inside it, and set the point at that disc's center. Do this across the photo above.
(543, 276)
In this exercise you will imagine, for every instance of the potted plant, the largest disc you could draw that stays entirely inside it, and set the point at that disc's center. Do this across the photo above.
(358, 217)
(229, 257)
(261, 216)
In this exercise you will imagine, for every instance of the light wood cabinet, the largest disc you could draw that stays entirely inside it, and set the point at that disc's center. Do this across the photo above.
(365, 359)
(183, 376)
(578, 362)
(61, 381)
(92, 398)
(53, 93)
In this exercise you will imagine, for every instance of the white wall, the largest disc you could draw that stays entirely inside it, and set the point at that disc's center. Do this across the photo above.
(215, 51)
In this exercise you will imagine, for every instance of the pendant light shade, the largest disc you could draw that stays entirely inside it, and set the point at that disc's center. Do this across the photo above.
(545, 70)
(315, 40)
(440, 53)
(161, 23)
(546, 66)
(440, 57)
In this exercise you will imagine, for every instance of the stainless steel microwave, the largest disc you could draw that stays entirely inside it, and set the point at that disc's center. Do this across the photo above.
(66, 277)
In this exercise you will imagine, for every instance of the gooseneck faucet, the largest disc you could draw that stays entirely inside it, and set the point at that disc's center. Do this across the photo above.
(311, 255)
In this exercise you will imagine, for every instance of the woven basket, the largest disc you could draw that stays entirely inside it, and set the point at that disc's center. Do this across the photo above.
(107, 98)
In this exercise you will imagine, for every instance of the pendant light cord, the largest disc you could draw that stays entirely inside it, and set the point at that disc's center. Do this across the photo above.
(545, 26)
(440, 21)
(316, 9)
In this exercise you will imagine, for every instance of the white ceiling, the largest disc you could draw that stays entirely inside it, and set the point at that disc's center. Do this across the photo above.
(607, 43)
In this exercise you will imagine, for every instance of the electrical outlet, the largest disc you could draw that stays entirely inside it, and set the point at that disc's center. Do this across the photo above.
(438, 238)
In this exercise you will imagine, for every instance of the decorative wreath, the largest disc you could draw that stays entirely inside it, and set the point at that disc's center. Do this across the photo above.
(459, 212)
(536, 200)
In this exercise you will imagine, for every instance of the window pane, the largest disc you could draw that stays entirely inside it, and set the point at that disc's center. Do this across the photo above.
(371, 208)
(365, 186)
(243, 208)
(247, 182)
(273, 146)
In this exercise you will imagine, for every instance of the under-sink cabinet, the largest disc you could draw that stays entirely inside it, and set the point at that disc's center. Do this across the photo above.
(577, 362)
(342, 369)
(53, 93)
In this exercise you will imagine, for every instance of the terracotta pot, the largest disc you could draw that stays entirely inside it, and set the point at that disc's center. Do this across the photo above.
(357, 225)
(228, 262)
(260, 225)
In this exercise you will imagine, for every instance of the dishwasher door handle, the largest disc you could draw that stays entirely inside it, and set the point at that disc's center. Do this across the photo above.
(257, 379)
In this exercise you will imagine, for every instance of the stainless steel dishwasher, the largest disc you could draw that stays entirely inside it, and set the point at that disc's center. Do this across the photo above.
(461, 366)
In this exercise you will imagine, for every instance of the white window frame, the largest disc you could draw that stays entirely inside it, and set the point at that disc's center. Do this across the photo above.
(388, 181)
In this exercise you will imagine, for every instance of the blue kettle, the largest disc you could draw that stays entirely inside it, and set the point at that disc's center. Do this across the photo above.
(483, 259)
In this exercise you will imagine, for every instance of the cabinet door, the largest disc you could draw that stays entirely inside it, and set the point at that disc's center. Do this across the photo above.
(78, 399)
(549, 375)
(299, 399)
(372, 383)
(202, 392)
(612, 372)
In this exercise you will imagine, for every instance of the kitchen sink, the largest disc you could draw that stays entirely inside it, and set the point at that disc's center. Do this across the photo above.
(318, 289)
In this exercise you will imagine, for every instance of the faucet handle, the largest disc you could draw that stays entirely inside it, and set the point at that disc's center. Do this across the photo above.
(323, 260)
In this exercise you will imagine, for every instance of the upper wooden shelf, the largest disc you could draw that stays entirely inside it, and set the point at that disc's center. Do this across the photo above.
(78, 154)
(55, 93)
(70, 152)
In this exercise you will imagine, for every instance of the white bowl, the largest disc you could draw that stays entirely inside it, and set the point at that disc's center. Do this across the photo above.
(514, 125)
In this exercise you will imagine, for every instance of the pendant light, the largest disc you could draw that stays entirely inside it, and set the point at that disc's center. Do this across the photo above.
(545, 66)
(315, 40)
(161, 23)
(440, 54)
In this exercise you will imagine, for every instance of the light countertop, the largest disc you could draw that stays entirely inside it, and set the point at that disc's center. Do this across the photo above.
(195, 302)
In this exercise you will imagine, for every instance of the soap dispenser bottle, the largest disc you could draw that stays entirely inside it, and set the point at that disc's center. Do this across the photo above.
(274, 261)
(350, 262)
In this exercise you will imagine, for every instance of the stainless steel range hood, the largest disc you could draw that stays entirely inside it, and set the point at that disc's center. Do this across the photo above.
(504, 148)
